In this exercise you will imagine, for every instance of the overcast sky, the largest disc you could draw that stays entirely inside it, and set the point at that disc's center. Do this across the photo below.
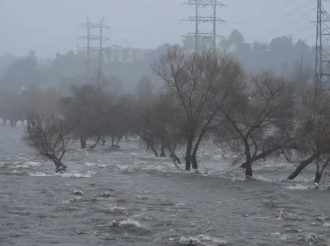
(50, 26)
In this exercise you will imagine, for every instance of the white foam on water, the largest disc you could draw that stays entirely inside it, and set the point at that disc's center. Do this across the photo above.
(76, 199)
(205, 239)
(283, 237)
(181, 204)
(189, 240)
(72, 174)
(113, 208)
(40, 174)
(29, 164)
(102, 165)
(143, 217)
(130, 222)
(89, 164)
(297, 187)
(77, 192)
(117, 153)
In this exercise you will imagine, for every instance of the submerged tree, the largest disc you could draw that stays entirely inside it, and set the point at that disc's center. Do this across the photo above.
(49, 136)
(260, 117)
(88, 108)
(314, 132)
(196, 79)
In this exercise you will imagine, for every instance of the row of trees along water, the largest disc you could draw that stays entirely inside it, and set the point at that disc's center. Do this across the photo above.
(207, 96)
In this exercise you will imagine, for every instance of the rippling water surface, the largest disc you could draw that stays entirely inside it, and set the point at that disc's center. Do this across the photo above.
(127, 197)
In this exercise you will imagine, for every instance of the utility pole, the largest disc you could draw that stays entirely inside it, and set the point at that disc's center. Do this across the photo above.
(322, 59)
(87, 48)
(198, 19)
(89, 26)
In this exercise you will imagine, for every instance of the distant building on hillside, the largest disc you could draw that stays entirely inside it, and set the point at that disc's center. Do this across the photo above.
(45, 62)
(120, 54)
(117, 54)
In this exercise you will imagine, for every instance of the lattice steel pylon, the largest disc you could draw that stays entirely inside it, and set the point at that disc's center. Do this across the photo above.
(89, 37)
(198, 19)
(322, 59)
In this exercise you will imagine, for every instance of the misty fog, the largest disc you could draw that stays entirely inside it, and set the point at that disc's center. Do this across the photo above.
(148, 122)
(262, 34)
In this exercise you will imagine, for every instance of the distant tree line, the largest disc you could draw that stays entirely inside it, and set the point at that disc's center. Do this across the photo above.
(279, 56)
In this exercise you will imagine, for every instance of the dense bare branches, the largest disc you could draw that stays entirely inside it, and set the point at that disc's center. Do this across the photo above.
(196, 79)
(49, 136)
(88, 110)
(261, 116)
(314, 131)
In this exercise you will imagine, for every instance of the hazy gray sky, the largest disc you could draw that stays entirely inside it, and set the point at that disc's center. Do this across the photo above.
(50, 26)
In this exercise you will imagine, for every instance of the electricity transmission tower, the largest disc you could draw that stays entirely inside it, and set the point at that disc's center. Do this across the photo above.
(89, 37)
(322, 61)
(198, 19)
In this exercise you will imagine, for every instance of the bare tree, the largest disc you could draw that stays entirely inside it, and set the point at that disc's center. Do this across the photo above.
(259, 117)
(144, 127)
(49, 136)
(120, 118)
(196, 79)
(88, 108)
(168, 123)
(314, 132)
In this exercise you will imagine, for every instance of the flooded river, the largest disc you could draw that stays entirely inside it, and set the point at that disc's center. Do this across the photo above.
(128, 197)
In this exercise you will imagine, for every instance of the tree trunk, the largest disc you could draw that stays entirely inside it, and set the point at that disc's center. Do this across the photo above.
(162, 149)
(82, 142)
(152, 147)
(319, 173)
(97, 141)
(302, 166)
(13, 123)
(60, 167)
(194, 161)
(103, 141)
(118, 140)
(318, 176)
(198, 142)
(260, 156)
(173, 156)
(188, 152)
(248, 169)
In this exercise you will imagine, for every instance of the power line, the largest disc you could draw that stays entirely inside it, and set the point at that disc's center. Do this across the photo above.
(89, 38)
(269, 12)
(322, 59)
(258, 3)
(198, 19)
(287, 24)
(292, 21)
(283, 15)
(286, 14)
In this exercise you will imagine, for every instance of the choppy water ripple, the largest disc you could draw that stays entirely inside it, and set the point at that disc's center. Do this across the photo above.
(128, 197)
